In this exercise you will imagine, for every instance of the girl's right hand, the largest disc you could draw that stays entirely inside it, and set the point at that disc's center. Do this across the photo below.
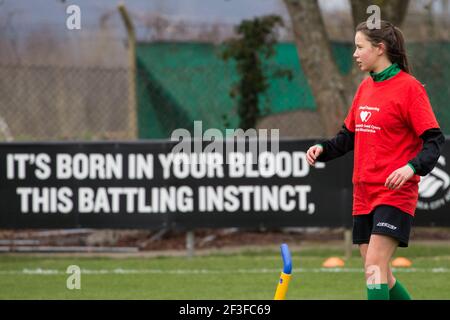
(312, 154)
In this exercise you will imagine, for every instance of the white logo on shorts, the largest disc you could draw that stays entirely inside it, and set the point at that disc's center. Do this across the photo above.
(387, 225)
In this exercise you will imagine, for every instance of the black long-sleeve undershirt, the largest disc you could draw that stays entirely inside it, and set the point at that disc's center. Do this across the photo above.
(426, 159)
(423, 163)
(335, 147)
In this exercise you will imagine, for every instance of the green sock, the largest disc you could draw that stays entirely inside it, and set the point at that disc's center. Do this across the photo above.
(399, 292)
(378, 291)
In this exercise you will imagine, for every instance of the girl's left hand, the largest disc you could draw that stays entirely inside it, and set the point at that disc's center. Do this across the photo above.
(397, 178)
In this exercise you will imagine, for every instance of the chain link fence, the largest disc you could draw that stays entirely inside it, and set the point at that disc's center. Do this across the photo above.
(63, 103)
(175, 86)
(57, 84)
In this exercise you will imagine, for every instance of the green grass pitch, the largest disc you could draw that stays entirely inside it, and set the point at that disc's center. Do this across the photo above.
(248, 275)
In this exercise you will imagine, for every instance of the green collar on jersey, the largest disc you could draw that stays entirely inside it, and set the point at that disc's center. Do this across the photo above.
(387, 73)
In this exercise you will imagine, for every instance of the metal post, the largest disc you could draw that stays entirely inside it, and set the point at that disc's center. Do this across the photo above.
(190, 243)
(348, 243)
(132, 122)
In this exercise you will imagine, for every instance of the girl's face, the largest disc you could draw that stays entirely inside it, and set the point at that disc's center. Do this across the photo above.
(366, 55)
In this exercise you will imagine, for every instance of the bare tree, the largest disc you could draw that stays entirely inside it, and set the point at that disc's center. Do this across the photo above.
(332, 91)
(445, 6)
(9, 35)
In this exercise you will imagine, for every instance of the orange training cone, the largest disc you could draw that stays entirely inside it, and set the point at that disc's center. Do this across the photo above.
(401, 262)
(333, 262)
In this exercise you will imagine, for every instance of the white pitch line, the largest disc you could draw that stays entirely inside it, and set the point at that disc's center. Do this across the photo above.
(42, 271)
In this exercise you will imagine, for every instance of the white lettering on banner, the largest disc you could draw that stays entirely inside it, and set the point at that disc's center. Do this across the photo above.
(269, 199)
(45, 200)
(107, 200)
(255, 198)
(21, 160)
(43, 170)
(211, 199)
(89, 166)
(245, 192)
(183, 165)
(16, 165)
(211, 165)
(285, 203)
(67, 195)
(236, 163)
(282, 164)
(140, 166)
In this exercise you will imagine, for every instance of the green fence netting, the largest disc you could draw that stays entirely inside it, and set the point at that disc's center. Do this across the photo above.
(178, 83)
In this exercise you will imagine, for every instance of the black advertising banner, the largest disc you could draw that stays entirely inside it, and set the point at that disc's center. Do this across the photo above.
(152, 185)
(433, 206)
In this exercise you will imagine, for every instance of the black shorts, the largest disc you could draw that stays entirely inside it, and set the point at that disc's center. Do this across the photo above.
(386, 220)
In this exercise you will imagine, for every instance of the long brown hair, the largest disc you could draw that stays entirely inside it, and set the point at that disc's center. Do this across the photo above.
(393, 39)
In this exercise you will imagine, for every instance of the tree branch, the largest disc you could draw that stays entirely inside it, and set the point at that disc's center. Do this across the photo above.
(318, 64)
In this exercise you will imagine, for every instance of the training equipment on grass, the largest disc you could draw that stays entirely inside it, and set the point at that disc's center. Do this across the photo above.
(401, 262)
(285, 276)
(333, 262)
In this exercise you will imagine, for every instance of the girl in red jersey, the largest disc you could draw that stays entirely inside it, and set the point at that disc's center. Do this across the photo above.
(395, 137)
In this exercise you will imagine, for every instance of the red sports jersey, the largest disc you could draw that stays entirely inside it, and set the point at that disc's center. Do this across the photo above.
(387, 117)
